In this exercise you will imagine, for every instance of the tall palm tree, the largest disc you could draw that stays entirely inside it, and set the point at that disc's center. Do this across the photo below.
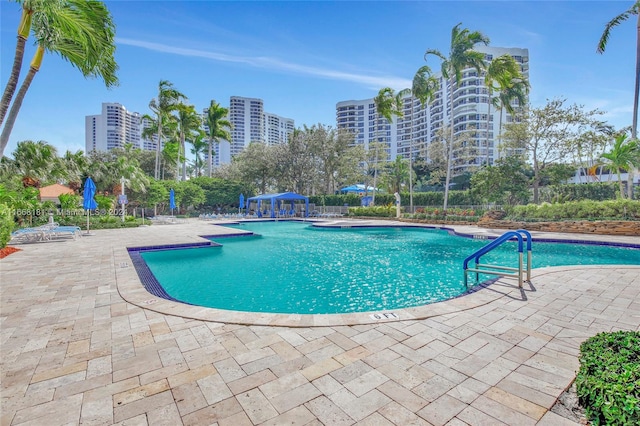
(424, 86)
(189, 122)
(163, 105)
(624, 155)
(461, 56)
(82, 32)
(516, 90)
(499, 75)
(602, 45)
(388, 103)
(45, 8)
(198, 146)
(218, 126)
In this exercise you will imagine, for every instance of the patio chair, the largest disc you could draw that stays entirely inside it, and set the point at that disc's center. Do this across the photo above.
(28, 235)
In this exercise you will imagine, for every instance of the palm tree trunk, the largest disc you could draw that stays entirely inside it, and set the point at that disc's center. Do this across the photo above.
(184, 160)
(449, 154)
(210, 156)
(499, 144)
(634, 126)
(23, 33)
(159, 144)
(620, 184)
(411, 160)
(17, 103)
(488, 124)
(178, 163)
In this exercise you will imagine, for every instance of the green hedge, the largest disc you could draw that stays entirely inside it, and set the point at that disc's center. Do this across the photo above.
(453, 214)
(6, 224)
(374, 211)
(599, 191)
(456, 198)
(608, 381)
(582, 210)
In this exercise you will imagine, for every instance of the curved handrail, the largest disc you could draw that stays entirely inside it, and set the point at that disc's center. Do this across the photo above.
(495, 243)
(518, 234)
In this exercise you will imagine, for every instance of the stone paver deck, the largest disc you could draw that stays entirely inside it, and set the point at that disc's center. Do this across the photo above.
(80, 344)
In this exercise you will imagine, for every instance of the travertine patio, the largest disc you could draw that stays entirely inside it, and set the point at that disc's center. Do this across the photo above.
(75, 351)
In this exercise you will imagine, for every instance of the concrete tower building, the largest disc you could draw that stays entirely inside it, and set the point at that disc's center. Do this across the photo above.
(361, 118)
(277, 129)
(115, 127)
(247, 117)
(421, 125)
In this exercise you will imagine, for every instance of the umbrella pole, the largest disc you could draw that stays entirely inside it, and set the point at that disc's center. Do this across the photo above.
(88, 214)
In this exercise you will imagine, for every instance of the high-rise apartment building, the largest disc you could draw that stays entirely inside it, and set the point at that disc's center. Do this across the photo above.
(247, 118)
(115, 127)
(277, 129)
(252, 124)
(421, 125)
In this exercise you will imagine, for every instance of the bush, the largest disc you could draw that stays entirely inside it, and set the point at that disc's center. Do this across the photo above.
(580, 210)
(452, 214)
(608, 381)
(456, 198)
(599, 191)
(6, 225)
(375, 211)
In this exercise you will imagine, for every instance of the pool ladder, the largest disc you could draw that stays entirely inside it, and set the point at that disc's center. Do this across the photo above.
(501, 270)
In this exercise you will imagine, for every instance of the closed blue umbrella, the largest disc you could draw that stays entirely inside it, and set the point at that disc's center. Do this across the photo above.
(88, 203)
(172, 200)
(241, 201)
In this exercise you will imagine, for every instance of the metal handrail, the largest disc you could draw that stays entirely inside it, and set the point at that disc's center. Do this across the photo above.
(495, 269)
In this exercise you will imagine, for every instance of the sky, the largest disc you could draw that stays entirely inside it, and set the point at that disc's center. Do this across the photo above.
(303, 57)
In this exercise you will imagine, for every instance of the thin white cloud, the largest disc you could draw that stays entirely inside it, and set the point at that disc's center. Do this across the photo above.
(272, 63)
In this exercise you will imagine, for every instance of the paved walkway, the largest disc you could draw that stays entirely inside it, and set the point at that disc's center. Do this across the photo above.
(74, 351)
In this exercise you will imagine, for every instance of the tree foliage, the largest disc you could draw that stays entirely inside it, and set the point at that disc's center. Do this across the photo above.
(548, 135)
(505, 182)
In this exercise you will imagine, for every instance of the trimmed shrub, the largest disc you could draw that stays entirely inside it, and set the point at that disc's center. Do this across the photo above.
(599, 191)
(375, 211)
(456, 198)
(608, 381)
(6, 225)
(578, 210)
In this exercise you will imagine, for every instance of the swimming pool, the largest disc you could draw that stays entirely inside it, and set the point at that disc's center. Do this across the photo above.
(292, 267)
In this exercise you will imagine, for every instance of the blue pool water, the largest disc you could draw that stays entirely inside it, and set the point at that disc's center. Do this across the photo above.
(295, 268)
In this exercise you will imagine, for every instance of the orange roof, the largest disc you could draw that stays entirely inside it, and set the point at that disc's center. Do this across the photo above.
(52, 191)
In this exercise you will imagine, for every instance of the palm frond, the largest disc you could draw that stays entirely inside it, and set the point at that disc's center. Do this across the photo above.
(604, 39)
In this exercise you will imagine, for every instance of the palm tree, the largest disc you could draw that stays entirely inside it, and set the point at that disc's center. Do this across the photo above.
(73, 167)
(500, 75)
(423, 87)
(516, 90)
(24, 28)
(189, 121)
(624, 155)
(166, 102)
(602, 45)
(461, 56)
(35, 162)
(388, 103)
(80, 31)
(198, 146)
(218, 126)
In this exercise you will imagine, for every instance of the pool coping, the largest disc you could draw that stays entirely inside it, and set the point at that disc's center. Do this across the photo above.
(133, 289)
